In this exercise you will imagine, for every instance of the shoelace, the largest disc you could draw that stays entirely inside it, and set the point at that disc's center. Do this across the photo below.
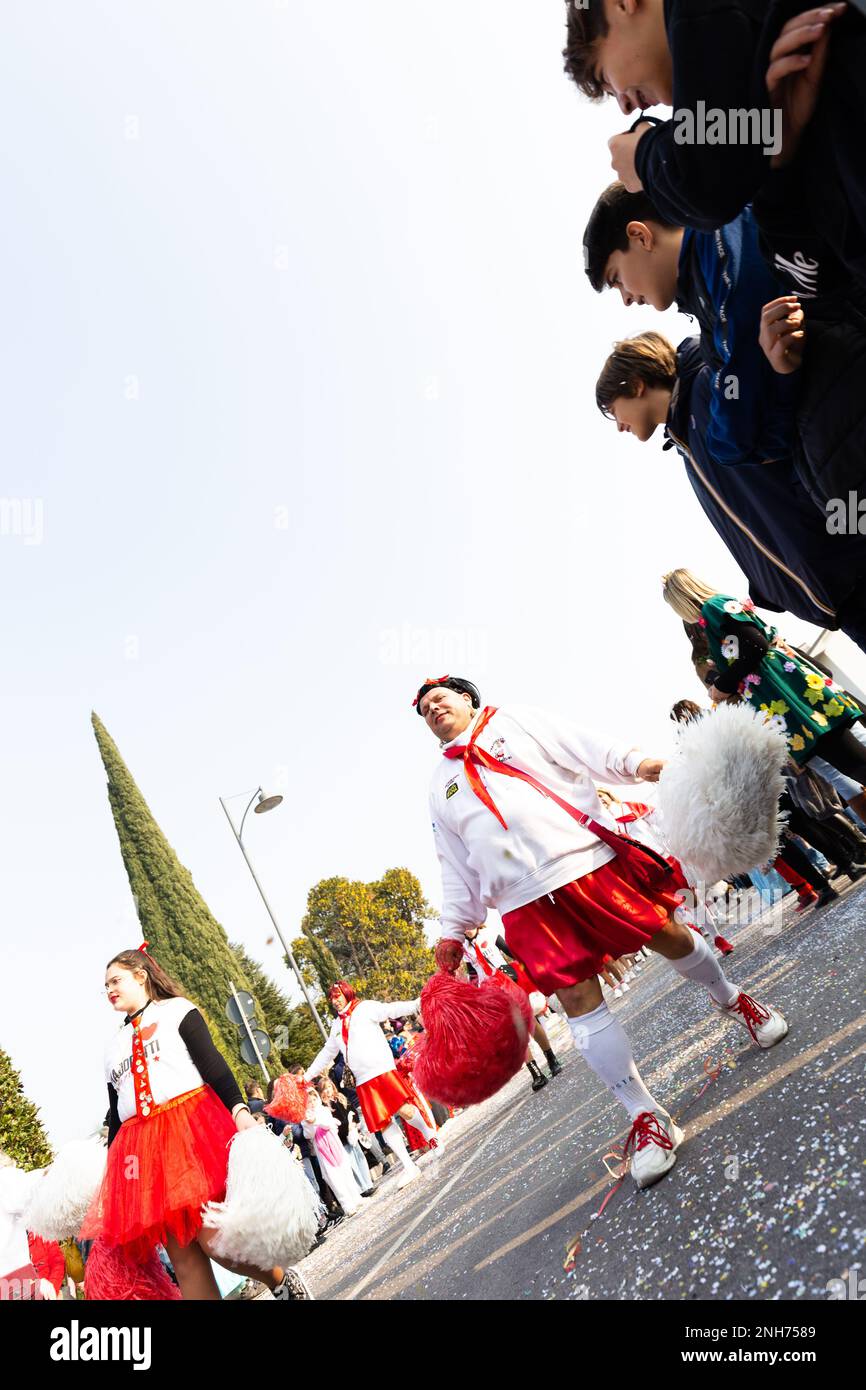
(751, 1012)
(647, 1129)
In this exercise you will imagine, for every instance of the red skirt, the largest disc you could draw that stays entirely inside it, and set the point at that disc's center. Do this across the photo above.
(565, 937)
(382, 1097)
(160, 1171)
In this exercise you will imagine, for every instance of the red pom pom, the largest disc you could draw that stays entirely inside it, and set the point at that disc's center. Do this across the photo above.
(449, 955)
(475, 1038)
(110, 1275)
(289, 1101)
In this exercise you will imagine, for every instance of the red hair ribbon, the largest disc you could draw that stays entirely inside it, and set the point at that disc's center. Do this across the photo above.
(432, 680)
(143, 948)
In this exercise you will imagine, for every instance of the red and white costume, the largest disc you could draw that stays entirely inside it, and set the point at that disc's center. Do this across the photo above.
(174, 1132)
(356, 1032)
(568, 901)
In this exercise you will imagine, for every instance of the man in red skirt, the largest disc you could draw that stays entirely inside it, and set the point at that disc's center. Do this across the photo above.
(519, 827)
(383, 1091)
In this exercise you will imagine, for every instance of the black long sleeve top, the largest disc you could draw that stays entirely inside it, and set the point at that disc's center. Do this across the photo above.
(214, 1069)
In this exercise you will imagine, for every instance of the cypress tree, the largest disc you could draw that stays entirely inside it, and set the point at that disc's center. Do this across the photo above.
(22, 1136)
(185, 938)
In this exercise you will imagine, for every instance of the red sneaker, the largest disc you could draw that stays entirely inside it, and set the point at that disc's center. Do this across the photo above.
(722, 945)
(806, 898)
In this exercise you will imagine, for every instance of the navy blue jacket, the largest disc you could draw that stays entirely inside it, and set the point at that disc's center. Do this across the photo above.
(762, 512)
(725, 282)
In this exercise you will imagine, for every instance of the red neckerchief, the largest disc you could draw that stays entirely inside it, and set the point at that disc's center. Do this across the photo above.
(344, 1020)
(473, 757)
(635, 810)
(140, 1078)
(484, 963)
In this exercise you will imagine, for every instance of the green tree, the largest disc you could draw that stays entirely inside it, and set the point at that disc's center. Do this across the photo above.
(184, 937)
(371, 934)
(22, 1136)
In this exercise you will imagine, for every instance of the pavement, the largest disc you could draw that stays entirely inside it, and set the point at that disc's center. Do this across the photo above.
(765, 1202)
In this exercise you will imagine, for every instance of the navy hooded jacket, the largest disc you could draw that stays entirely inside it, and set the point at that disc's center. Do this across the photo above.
(762, 512)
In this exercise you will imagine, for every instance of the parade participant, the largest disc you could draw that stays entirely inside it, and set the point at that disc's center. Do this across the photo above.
(174, 1108)
(383, 1093)
(517, 827)
(484, 960)
(643, 823)
(321, 1127)
(752, 662)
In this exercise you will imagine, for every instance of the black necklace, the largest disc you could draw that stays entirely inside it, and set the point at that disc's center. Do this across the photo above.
(130, 1017)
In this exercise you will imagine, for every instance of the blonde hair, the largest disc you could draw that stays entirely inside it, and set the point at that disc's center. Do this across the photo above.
(686, 594)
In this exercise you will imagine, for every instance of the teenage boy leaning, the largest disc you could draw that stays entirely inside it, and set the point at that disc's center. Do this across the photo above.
(799, 74)
(760, 511)
(816, 415)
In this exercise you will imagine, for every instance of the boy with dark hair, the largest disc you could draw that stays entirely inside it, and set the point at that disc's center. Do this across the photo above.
(767, 109)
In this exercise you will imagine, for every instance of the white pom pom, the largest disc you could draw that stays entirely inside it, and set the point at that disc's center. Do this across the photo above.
(68, 1186)
(269, 1216)
(719, 793)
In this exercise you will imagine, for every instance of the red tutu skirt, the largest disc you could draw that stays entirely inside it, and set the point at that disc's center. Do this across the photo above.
(566, 937)
(160, 1171)
(381, 1098)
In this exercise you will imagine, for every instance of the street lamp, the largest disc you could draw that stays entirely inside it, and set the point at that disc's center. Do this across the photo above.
(267, 803)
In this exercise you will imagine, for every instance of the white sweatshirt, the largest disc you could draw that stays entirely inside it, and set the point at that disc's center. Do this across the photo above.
(484, 865)
(368, 1052)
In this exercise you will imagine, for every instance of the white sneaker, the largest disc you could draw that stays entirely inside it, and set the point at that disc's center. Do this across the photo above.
(767, 1026)
(293, 1287)
(653, 1141)
(408, 1176)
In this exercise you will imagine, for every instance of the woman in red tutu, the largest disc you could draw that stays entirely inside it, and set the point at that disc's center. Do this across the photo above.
(174, 1107)
(519, 828)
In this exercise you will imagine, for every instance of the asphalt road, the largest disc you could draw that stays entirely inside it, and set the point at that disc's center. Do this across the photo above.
(765, 1202)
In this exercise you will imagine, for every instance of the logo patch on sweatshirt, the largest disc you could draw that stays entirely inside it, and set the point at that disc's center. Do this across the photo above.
(499, 749)
(452, 788)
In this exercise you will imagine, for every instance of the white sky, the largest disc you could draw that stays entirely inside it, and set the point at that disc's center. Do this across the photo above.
(336, 251)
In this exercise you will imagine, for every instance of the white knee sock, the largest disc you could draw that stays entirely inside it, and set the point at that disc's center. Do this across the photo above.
(602, 1041)
(393, 1136)
(703, 967)
(417, 1121)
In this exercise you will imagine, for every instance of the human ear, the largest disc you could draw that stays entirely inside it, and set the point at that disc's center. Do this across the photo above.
(641, 234)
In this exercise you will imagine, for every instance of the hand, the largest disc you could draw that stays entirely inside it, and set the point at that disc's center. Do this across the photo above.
(449, 955)
(718, 697)
(650, 769)
(622, 156)
(614, 971)
(794, 78)
(244, 1120)
(782, 336)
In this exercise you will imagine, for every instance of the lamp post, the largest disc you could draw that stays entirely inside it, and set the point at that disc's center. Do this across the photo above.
(267, 803)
